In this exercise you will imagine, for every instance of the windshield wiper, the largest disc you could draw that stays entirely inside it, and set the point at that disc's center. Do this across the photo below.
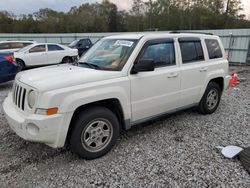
(90, 65)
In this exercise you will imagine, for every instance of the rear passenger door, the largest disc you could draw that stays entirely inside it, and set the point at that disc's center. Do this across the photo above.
(55, 54)
(193, 70)
(156, 92)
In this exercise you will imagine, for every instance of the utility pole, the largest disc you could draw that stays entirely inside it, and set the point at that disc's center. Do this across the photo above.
(227, 8)
(226, 14)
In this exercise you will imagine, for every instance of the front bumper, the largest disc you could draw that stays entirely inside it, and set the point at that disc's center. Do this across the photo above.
(34, 127)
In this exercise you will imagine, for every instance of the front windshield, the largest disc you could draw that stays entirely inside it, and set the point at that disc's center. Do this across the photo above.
(108, 54)
(73, 43)
(24, 48)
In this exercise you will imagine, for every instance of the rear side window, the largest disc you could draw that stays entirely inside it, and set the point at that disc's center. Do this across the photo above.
(213, 48)
(191, 51)
(53, 47)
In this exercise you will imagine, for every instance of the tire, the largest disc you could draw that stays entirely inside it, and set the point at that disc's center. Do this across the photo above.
(66, 60)
(210, 99)
(93, 127)
(245, 158)
(21, 65)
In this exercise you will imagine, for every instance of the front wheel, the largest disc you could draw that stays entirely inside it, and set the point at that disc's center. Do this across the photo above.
(95, 132)
(211, 99)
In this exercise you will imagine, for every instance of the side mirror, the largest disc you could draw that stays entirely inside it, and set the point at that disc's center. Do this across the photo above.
(144, 65)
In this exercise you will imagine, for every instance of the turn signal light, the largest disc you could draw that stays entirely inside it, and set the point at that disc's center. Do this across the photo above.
(48, 112)
(52, 111)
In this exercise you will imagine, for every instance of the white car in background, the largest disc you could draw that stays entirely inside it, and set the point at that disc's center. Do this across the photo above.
(44, 54)
(13, 46)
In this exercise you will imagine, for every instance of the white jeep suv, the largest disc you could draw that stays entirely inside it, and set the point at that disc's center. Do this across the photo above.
(121, 81)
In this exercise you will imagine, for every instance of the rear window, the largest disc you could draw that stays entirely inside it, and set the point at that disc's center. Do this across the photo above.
(213, 48)
(4, 46)
(191, 51)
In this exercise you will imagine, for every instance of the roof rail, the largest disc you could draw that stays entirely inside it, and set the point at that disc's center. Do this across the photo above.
(193, 32)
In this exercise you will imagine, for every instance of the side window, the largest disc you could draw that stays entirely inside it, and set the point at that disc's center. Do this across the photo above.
(38, 48)
(4, 46)
(83, 43)
(213, 48)
(53, 47)
(163, 54)
(26, 44)
(191, 51)
(16, 45)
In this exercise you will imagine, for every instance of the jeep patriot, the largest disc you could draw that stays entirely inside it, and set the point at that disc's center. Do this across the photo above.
(121, 81)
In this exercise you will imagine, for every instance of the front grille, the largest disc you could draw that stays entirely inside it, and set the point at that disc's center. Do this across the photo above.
(19, 94)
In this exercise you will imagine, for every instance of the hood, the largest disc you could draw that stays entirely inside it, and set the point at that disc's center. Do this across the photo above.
(61, 76)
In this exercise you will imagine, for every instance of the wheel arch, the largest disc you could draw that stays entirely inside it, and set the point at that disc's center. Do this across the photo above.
(113, 104)
(67, 56)
(219, 81)
(19, 59)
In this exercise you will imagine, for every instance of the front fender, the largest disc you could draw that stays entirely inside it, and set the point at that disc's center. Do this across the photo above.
(75, 100)
(69, 99)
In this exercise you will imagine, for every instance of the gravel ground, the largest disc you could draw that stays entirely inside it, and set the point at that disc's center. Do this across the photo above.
(178, 150)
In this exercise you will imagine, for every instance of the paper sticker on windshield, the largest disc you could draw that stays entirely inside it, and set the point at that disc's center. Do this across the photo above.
(123, 43)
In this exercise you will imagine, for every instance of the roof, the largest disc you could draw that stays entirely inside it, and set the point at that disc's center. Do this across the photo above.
(160, 34)
(126, 36)
(10, 41)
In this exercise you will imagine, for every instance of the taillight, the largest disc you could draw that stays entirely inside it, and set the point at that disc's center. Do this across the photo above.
(9, 58)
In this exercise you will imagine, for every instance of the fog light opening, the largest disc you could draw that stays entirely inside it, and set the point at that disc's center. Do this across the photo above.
(32, 129)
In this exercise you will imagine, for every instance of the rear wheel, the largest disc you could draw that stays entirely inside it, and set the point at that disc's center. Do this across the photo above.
(95, 132)
(211, 99)
(20, 64)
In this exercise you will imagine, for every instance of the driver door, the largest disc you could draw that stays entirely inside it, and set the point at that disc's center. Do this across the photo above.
(156, 92)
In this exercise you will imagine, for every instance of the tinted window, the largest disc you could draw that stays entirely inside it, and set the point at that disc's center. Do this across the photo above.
(4, 46)
(83, 43)
(213, 48)
(163, 54)
(191, 51)
(39, 48)
(13, 45)
(26, 44)
(16, 45)
(52, 47)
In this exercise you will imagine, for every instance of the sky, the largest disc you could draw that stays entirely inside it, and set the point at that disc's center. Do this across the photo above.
(29, 6)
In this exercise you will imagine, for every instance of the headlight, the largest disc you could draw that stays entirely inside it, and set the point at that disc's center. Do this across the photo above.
(31, 98)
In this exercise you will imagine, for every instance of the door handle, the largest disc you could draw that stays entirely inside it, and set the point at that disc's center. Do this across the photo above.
(203, 69)
(173, 75)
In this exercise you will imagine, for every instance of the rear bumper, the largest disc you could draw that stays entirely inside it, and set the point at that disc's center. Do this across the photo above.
(7, 77)
(36, 128)
(226, 81)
